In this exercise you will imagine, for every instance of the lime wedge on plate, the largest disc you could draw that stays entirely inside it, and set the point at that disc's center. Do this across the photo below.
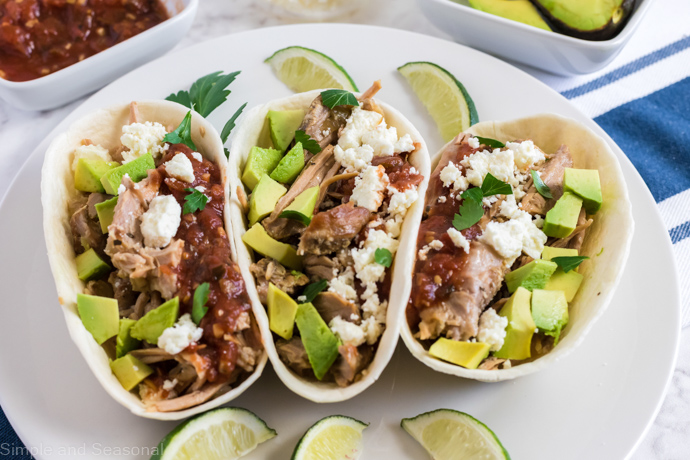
(451, 435)
(446, 99)
(221, 434)
(304, 69)
(332, 438)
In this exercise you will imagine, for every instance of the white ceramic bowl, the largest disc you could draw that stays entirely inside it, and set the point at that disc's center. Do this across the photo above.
(96, 71)
(515, 41)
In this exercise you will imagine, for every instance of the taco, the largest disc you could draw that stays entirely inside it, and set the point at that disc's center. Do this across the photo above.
(139, 242)
(512, 210)
(326, 233)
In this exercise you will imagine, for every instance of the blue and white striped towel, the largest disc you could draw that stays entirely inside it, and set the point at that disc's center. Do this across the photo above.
(647, 90)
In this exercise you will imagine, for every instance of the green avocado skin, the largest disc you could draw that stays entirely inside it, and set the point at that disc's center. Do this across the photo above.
(319, 342)
(586, 19)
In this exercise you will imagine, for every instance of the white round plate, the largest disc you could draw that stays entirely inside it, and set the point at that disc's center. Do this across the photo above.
(596, 403)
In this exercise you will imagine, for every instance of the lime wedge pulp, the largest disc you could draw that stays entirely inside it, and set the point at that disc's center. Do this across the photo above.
(451, 435)
(446, 99)
(304, 69)
(332, 438)
(221, 434)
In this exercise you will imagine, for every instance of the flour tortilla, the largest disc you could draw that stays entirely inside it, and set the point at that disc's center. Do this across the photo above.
(611, 233)
(254, 131)
(104, 127)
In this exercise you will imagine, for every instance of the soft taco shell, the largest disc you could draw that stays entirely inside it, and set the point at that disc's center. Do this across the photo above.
(607, 242)
(57, 189)
(254, 131)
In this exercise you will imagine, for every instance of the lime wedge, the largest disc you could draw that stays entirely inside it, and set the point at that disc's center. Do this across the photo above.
(451, 435)
(443, 95)
(304, 69)
(221, 434)
(332, 438)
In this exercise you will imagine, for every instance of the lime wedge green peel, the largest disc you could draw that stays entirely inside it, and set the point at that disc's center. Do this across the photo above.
(447, 434)
(446, 99)
(221, 434)
(304, 69)
(333, 438)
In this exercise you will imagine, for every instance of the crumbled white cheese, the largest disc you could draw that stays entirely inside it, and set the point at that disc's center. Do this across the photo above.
(302, 298)
(369, 188)
(405, 144)
(499, 163)
(160, 222)
(348, 332)
(372, 330)
(121, 189)
(459, 239)
(451, 176)
(200, 188)
(505, 237)
(533, 239)
(435, 245)
(178, 337)
(344, 285)
(526, 154)
(90, 152)
(358, 124)
(382, 140)
(169, 385)
(197, 156)
(492, 329)
(538, 221)
(394, 225)
(355, 158)
(442, 199)
(473, 142)
(373, 307)
(401, 201)
(507, 364)
(180, 167)
(142, 138)
(487, 201)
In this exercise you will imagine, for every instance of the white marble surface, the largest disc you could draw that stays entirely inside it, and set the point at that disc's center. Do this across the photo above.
(21, 132)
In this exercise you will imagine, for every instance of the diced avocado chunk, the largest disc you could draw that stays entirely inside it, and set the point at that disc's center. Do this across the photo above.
(260, 162)
(152, 324)
(125, 342)
(567, 282)
(281, 312)
(533, 275)
(87, 175)
(130, 371)
(137, 170)
(561, 220)
(106, 212)
(283, 124)
(264, 198)
(305, 202)
(465, 354)
(90, 266)
(319, 341)
(585, 184)
(257, 238)
(518, 341)
(100, 316)
(550, 252)
(550, 312)
(290, 166)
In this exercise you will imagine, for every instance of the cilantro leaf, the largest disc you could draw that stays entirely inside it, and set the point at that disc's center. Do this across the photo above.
(182, 97)
(296, 215)
(474, 193)
(194, 201)
(493, 186)
(311, 291)
(183, 133)
(334, 97)
(568, 263)
(307, 142)
(471, 210)
(493, 143)
(542, 188)
(383, 257)
(207, 93)
(231, 124)
(199, 309)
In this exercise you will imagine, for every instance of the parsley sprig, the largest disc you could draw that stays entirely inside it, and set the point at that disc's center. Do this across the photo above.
(194, 201)
(307, 142)
(335, 97)
(183, 133)
(207, 93)
(568, 263)
(229, 125)
(493, 143)
(199, 309)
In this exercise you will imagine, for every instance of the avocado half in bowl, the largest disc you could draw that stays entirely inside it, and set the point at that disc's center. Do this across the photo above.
(138, 231)
(328, 246)
(498, 311)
